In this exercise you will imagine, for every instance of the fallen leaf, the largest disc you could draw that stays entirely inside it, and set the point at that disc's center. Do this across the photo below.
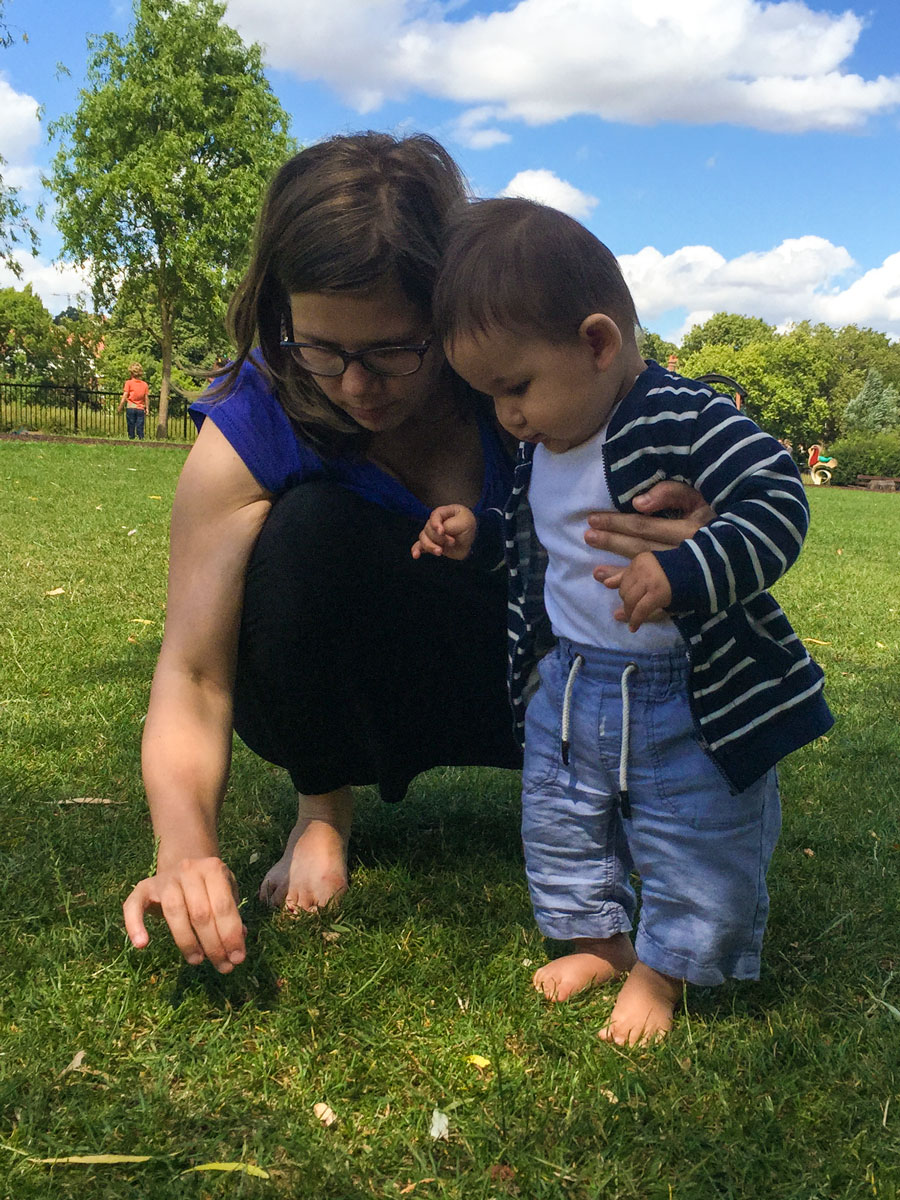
(330, 935)
(133, 640)
(325, 1114)
(246, 1168)
(840, 552)
(154, 497)
(254, 857)
(440, 1126)
(88, 800)
(98, 507)
(479, 1061)
(404, 1191)
(56, 592)
(809, 853)
(140, 621)
(74, 1064)
(502, 1173)
(130, 532)
(609, 1095)
(881, 645)
(815, 642)
(98, 1159)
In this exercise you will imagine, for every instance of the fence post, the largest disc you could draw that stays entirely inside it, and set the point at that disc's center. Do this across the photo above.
(75, 390)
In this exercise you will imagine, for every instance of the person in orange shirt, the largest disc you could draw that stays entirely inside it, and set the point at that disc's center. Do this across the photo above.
(134, 401)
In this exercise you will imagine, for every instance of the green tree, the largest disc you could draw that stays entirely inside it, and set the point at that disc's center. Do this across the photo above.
(28, 344)
(785, 378)
(161, 168)
(651, 345)
(14, 224)
(875, 408)
(726, 329)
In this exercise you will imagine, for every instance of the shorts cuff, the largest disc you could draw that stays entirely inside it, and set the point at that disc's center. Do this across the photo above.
(680, 966)
(604, 922)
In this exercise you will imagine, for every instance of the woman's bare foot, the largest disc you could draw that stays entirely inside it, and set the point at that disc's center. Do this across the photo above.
(596, 961)
(644, 1010)
(313, 869)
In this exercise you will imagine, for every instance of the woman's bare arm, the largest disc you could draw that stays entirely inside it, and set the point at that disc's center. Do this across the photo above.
(218, 512)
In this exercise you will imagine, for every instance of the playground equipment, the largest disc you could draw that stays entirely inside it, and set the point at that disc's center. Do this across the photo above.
(821, 466)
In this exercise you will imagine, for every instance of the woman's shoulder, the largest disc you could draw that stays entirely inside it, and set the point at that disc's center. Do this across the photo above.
(249, 414)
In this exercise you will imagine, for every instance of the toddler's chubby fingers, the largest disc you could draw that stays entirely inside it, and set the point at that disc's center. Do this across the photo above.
(432, 542)
(611, 577)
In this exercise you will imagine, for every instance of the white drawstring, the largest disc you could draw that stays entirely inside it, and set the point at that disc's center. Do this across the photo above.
(624, 802)
(624, 744)
(577, 664)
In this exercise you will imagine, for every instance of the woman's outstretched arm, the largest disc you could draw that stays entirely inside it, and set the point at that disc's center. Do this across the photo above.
(218, 512)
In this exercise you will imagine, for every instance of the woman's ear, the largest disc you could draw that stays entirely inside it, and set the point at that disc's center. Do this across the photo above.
(603, 336)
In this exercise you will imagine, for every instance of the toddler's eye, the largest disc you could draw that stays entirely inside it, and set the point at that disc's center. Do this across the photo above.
(520, 389)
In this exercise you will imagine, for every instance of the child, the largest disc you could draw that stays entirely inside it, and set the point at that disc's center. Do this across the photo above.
(134, 395)
(659, 714)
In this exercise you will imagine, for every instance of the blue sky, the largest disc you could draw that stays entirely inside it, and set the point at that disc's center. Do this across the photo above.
(734, 154)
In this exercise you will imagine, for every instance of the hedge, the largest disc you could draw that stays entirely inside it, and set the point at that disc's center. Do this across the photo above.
(866, 454)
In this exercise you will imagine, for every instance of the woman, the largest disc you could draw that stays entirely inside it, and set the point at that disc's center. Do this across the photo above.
(346, 419)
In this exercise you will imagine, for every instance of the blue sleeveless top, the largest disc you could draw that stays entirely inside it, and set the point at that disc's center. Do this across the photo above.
(258, 428)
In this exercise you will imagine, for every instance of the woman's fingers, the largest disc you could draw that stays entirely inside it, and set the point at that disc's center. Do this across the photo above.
(199, 903)
(144, 898)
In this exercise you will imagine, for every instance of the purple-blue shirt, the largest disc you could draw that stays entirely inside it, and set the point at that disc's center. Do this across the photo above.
(258, 428)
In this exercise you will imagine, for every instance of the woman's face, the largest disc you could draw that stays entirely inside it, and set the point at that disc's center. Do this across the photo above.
(353, 321)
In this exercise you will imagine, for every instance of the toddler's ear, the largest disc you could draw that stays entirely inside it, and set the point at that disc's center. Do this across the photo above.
(603, 336)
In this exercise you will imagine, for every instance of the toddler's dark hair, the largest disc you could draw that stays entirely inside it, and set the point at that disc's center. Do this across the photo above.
(516, 265)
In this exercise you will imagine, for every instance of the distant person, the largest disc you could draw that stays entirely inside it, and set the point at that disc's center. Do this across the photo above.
(134, 401)
(656, 715)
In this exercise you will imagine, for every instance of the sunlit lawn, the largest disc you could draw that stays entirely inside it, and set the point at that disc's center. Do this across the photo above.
(788, 1088)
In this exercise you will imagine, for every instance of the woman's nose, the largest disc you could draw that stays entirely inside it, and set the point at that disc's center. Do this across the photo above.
(356, 380)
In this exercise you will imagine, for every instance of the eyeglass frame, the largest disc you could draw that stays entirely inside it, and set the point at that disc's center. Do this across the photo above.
(347, 357)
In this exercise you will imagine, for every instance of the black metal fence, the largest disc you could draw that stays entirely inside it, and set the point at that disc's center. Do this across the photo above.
(82, 412)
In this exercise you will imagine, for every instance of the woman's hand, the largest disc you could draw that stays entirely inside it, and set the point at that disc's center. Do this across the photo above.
(630, 534)
(199, 900)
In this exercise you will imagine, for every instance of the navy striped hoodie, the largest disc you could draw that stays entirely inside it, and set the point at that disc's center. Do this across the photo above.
(755, 693)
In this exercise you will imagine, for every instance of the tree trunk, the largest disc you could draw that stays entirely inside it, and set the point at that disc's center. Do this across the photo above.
(162, 424)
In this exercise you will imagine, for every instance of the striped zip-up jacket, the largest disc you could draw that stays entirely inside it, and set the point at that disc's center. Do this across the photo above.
(755, 693)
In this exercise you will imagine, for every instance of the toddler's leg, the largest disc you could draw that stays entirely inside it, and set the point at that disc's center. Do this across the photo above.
(576, 856)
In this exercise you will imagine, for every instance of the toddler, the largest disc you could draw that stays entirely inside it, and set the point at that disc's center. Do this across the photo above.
(658, 705)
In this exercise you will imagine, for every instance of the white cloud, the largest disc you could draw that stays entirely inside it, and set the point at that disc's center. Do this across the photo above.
(474, 129)
(20, 131)
(58, 285)
(547, 188)
(806, 278)
(775, 66)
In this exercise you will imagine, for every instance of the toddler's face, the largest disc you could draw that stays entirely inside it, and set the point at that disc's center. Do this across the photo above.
(546, 392)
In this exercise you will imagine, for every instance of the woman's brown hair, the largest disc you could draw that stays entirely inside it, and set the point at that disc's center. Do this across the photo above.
(341, 216)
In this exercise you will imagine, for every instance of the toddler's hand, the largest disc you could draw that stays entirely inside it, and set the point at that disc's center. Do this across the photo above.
(450, 531)
(643, 587)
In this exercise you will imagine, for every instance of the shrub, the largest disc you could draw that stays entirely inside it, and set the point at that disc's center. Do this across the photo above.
(866, 454)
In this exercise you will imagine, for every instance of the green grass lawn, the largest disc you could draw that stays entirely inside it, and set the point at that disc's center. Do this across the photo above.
(788, 1088)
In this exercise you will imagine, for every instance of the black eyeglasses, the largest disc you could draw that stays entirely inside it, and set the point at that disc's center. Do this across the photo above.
(381, 360)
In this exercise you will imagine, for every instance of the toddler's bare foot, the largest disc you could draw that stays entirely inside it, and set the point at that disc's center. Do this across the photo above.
(644, 1010)
(313, 869)
(596, 961)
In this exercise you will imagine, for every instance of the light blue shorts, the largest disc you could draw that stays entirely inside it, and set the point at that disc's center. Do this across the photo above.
(701, 852)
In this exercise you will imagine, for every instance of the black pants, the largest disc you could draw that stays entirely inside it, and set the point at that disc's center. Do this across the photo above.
(360, 665)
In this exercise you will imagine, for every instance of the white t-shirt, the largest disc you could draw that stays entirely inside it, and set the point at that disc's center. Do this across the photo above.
(563, 490)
